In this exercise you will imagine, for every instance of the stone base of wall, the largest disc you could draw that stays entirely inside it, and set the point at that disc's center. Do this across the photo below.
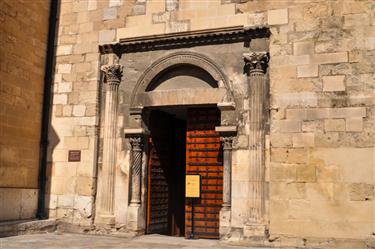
(18, 203)
(281, 241)
(13, 228)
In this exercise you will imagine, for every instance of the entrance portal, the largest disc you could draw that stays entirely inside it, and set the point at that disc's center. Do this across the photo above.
(184, 141)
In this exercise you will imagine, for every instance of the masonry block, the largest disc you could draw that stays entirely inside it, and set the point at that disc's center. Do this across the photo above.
(286, 126)
(334, 83)
(303, 140)
(354, 124)
(107, 36)
(109, 14)
(64, 49)
(334, 125)
(305, 71)
(303, 48)
(64, 68)
(306, 173)
(277, 17)
(329, 58)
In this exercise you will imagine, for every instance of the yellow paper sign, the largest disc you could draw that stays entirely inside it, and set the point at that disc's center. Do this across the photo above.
(193, 186)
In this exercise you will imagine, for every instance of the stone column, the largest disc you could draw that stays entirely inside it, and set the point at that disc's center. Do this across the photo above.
(113, 75)
(226, 134)
(256, 66)
(135, 214)
(227, 151)
(136, 166)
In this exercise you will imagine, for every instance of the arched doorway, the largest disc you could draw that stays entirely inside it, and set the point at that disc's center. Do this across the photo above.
(177, 100)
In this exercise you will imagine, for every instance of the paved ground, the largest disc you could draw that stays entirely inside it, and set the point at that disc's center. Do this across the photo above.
(78, 241)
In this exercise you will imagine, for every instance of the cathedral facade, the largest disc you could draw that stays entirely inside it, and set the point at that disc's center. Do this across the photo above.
(214, 119)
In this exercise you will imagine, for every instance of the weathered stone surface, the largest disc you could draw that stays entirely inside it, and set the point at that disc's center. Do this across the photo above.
(109, 14)
(361, 192)
(277, 17)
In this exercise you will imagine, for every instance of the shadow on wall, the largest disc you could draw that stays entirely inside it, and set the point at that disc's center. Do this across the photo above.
(50, 200)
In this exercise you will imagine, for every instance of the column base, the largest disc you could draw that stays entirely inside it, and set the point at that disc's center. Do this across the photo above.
(254, 230)
(105, 219)
(135, 221)
(225, 218)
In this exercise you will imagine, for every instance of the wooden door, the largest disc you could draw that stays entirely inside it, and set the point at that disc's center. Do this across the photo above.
(204, 157)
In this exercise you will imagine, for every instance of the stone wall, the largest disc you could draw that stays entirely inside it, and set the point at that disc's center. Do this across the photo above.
(320, 155)
(74, 125)
(23, 42)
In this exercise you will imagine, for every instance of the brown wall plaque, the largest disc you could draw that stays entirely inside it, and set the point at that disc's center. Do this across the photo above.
(74, 156)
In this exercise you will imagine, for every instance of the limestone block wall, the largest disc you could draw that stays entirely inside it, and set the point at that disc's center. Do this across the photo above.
(74, 125)
(320, 161)
(22, 58)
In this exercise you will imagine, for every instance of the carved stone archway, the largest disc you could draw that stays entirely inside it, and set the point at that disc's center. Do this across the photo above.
(221, 96)
(178, 58)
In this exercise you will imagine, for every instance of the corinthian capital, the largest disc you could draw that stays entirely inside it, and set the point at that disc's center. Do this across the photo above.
(256, 62)
(113, 73)
(227, 142)
(136, 143)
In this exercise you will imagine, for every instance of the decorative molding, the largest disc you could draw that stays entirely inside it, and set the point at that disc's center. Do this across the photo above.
(185, 39)
(227, 142)
(256, 62)
(136, 143)
(182, 57)
(113, 73)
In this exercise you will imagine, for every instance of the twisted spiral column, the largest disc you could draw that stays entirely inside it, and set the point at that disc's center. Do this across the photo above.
(136, 166)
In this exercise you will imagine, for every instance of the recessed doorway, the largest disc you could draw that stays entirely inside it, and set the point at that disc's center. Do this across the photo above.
(184, 141)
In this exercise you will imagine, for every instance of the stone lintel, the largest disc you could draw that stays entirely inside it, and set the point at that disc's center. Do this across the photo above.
(136, 110)
(135, 131)
(224, 130)
(226, 106)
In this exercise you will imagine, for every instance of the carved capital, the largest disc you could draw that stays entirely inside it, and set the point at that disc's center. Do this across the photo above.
(136, 143)
(113, 73)
(227, 142)
(256, 62)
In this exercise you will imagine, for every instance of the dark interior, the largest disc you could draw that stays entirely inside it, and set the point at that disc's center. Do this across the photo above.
(166, 172)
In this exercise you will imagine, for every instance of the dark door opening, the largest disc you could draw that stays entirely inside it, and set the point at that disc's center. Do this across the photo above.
(166, 175)
(184, 141)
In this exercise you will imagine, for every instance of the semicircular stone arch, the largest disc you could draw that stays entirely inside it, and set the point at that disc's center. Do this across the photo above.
(180, 58)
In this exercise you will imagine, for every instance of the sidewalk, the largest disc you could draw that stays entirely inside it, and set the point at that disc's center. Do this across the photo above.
(79, 241)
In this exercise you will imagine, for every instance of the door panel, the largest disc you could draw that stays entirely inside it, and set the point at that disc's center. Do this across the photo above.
(158, 194)
(204, 157)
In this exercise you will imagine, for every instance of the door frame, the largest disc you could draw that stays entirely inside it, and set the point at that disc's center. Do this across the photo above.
(143, 100)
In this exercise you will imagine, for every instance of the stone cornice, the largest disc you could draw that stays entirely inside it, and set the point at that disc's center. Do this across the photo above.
(185, 39)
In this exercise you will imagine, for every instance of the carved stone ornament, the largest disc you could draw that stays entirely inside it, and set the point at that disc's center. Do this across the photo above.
(113, 73)
(136, 143)
(227, 142)
(256, 62)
